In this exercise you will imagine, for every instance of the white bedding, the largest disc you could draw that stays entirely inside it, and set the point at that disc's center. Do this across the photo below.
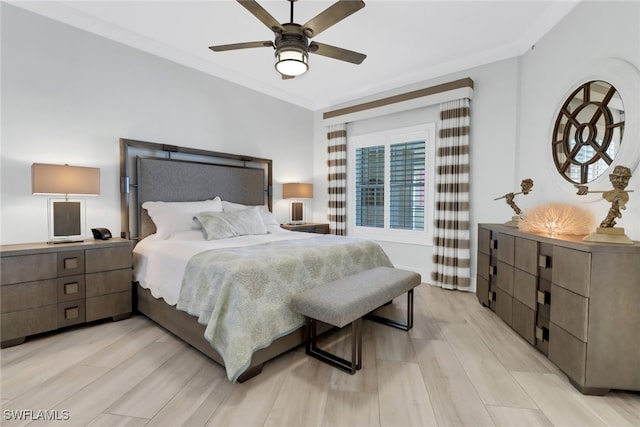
(159, 264)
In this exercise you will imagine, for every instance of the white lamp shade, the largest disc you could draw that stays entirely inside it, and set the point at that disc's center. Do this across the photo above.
(64, 179)
(291, 62)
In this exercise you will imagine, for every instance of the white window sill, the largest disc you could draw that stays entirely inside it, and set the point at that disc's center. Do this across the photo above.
(396, 236)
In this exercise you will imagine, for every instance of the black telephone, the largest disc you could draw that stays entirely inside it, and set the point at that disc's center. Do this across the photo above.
(101, 233)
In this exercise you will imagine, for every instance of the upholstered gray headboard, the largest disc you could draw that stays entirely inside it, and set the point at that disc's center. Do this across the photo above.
(155, 172)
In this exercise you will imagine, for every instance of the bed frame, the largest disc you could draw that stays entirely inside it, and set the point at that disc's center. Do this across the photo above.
(158, 172)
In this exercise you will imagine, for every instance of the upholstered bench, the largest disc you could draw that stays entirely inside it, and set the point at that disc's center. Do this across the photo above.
(346, 301)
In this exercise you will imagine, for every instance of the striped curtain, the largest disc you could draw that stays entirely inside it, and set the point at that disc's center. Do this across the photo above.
(337, 163)
(452, 252)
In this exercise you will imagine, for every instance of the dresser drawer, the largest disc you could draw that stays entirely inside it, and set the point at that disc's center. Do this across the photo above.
(568, 352)
(482, 290)
(23, 296)
(526, 255)
(572, 270)
(483, 266)
(110, 305)
(71, 288)
(524, 288)
(21, 323)
(484, 241)
(504, 306)
(569, 311)
(28, 268)
(506, 246)
(104, 259)
(70, 263)
(321, 229)
(108, 282)
(71, 313)
(504, 279)
(524, 321)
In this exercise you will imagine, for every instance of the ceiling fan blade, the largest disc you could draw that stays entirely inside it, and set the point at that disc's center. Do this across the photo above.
(285, 77)
(331, 15)
(260, 13)
(336, 53)
(234, 46)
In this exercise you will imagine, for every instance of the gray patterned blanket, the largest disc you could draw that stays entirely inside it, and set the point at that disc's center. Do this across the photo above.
(242, 294)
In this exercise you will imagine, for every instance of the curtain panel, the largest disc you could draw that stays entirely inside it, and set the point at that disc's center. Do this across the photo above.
(337, 164)
(452, 252)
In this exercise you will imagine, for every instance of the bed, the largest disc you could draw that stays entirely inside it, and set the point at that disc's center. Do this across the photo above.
(222, 281)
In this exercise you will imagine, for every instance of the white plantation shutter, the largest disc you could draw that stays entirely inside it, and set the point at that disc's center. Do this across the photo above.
(370, 186)
(407, 179)
(401, 197)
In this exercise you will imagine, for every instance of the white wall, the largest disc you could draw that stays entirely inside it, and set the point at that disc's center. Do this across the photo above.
(493, 132)
(512, 113)
(591, 34)
(68, 96)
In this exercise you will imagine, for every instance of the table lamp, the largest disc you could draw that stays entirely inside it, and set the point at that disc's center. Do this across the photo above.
(297, 191)
(66, 217)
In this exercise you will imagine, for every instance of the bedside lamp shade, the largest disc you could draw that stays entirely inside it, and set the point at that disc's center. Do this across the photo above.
(64, 179)
(66, 217)
(297, 191)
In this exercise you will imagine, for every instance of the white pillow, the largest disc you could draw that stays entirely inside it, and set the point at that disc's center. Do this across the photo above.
(174, 217)
(222, 225)
(230, 206)
(267, 217)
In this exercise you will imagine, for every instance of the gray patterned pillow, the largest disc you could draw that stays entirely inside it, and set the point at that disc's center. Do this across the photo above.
(222, 225)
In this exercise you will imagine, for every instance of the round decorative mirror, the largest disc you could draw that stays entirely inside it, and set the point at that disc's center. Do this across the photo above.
(588, 132)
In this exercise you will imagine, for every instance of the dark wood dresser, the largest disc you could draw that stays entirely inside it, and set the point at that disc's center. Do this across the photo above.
(46, 287)
(577, 302)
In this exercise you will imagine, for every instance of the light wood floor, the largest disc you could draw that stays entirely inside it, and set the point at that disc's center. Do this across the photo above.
(459, 366)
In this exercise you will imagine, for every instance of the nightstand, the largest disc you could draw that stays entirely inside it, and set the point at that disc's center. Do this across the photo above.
(45, 287)
(308, 227)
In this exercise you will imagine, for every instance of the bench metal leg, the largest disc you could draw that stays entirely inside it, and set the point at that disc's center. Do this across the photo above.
(333, 360)
(394, 323)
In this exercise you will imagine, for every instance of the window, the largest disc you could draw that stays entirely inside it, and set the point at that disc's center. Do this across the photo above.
(390, 179)
(370, 186)
(406, 185)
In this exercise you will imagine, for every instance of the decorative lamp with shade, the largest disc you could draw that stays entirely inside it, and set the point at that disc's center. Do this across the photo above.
(66, 217)
(297, 191)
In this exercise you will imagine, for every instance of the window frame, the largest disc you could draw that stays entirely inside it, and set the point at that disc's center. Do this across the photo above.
(386, 138)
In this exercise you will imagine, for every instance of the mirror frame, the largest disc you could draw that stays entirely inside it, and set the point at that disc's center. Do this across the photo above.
(626, 79)
(575, 123)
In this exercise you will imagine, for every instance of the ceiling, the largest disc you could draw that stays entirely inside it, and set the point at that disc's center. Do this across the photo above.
(405, 41)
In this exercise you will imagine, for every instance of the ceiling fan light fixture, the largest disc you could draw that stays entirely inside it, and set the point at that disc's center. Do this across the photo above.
(292, 61)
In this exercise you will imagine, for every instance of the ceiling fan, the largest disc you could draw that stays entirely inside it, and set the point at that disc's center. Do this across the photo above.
(292, 44)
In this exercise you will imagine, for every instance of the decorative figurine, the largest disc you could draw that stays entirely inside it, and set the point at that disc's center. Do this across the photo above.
(607, 232)
(526, 185)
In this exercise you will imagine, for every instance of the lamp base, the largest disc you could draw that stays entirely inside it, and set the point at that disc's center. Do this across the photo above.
(609, 235)
(297, 212)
